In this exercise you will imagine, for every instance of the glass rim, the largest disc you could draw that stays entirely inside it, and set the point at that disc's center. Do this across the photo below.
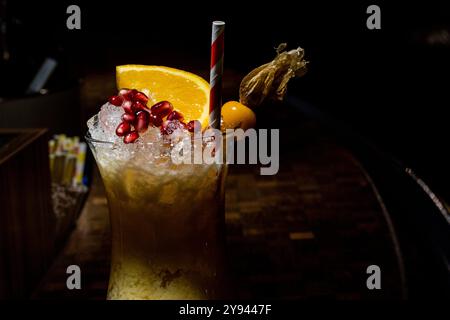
(88, 138)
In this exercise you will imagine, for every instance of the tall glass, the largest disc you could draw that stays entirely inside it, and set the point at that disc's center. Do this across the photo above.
(167, 226)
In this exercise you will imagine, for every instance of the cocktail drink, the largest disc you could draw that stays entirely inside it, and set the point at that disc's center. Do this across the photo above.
(166, 226)
(167, 219)
(167, 216)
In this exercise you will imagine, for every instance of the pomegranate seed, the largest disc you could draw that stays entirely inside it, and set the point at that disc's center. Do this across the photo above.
(116, 100)
(128, 117)
(132, 94)
(127, 106)
(123, 128)
(138, 106)
(125, 93)
(141, 97)
(169, 126)
(162, 108)
(175, 115)
(155, 120)
(166, 127)
(130, 137)
(194, 126)
(141, 122)
(128, 94)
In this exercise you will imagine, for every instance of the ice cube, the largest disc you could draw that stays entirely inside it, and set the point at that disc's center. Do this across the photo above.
(92, 124)
(150, 137)
(95, 130)
(109, 118)
(177, 136)
(149, 145)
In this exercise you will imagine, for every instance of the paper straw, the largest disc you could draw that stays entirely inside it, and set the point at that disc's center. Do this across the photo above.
(79, 169)
(216, 71)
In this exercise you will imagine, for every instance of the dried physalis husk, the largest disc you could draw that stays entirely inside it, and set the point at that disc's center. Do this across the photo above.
(270, 80)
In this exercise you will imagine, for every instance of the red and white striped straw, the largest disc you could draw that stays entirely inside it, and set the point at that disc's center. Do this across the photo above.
(216, 71)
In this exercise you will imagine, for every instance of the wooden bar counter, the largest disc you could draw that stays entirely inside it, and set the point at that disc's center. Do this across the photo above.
(26, 217)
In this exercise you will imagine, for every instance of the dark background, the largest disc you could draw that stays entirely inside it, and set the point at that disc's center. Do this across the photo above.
(391, 85)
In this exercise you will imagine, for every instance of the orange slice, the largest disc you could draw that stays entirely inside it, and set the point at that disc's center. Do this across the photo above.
(188, 93)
